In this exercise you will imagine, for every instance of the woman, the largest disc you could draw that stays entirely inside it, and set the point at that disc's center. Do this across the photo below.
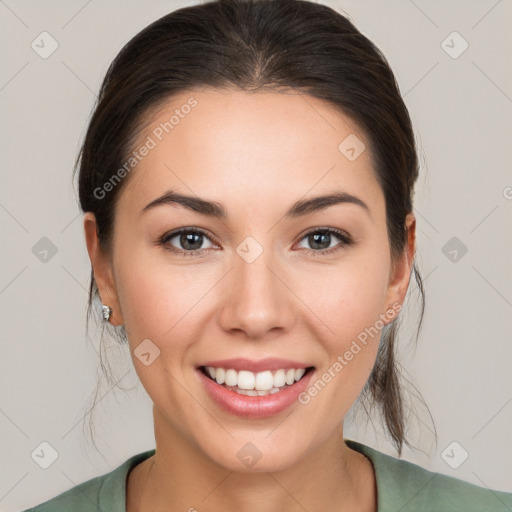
(246, 182)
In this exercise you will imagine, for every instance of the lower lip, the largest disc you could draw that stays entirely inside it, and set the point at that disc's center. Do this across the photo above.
(254, 407)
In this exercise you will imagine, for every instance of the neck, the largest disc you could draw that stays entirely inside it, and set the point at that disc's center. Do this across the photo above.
(179, 477)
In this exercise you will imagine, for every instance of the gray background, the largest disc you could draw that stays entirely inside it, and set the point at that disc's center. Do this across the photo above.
(462, 113)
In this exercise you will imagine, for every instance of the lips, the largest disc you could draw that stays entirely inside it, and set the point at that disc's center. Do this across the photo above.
(247, 400)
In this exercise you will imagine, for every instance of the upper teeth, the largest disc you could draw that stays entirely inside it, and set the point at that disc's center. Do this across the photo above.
(262, 381)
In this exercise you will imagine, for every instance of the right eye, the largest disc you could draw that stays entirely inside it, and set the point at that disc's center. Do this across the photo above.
(190, 240)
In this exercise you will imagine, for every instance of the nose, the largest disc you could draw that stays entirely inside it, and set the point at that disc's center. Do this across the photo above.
(257, 299)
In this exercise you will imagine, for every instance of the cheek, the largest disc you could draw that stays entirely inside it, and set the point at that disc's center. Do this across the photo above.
(350, 302)
(158, 297)
(349, 297)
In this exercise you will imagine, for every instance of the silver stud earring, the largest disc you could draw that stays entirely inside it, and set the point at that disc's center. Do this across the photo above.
(107, 311)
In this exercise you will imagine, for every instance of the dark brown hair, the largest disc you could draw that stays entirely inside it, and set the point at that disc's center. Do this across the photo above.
(257, 45)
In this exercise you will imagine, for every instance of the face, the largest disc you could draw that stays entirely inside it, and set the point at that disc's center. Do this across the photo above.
(272, 289)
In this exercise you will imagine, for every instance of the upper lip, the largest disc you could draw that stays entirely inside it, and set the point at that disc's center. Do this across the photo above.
(271, 363)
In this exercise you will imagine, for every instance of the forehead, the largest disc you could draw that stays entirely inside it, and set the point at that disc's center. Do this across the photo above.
(244, 148)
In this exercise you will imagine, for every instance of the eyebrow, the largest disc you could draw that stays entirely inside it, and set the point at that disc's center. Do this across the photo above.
(215, 209)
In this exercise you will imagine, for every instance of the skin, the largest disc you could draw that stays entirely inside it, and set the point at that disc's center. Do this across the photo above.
(256, 154)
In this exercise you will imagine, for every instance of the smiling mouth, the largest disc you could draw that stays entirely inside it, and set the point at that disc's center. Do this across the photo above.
(255, 383)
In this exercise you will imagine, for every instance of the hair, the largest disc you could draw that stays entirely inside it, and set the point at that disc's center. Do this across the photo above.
(262, 45)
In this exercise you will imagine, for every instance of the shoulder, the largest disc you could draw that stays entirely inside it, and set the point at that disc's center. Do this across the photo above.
(404, 486)
(105, 492)
(81, 498)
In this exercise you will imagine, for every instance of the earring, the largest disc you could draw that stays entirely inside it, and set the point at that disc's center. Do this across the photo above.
(107, 311)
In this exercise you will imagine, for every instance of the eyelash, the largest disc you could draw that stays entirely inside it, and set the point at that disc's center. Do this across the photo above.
(345, 241)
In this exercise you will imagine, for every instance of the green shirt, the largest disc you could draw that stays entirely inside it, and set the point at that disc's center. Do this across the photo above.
(401, 487)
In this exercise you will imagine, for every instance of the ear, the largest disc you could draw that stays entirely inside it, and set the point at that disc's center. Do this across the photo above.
(102, 268)
(401, 271)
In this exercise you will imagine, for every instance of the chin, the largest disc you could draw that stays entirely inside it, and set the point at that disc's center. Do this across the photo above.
(254, 456)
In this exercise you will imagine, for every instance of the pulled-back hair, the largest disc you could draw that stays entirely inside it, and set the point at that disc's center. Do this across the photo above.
(256, 45)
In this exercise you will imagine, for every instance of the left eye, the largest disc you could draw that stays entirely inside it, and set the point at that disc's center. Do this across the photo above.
(319, 236)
